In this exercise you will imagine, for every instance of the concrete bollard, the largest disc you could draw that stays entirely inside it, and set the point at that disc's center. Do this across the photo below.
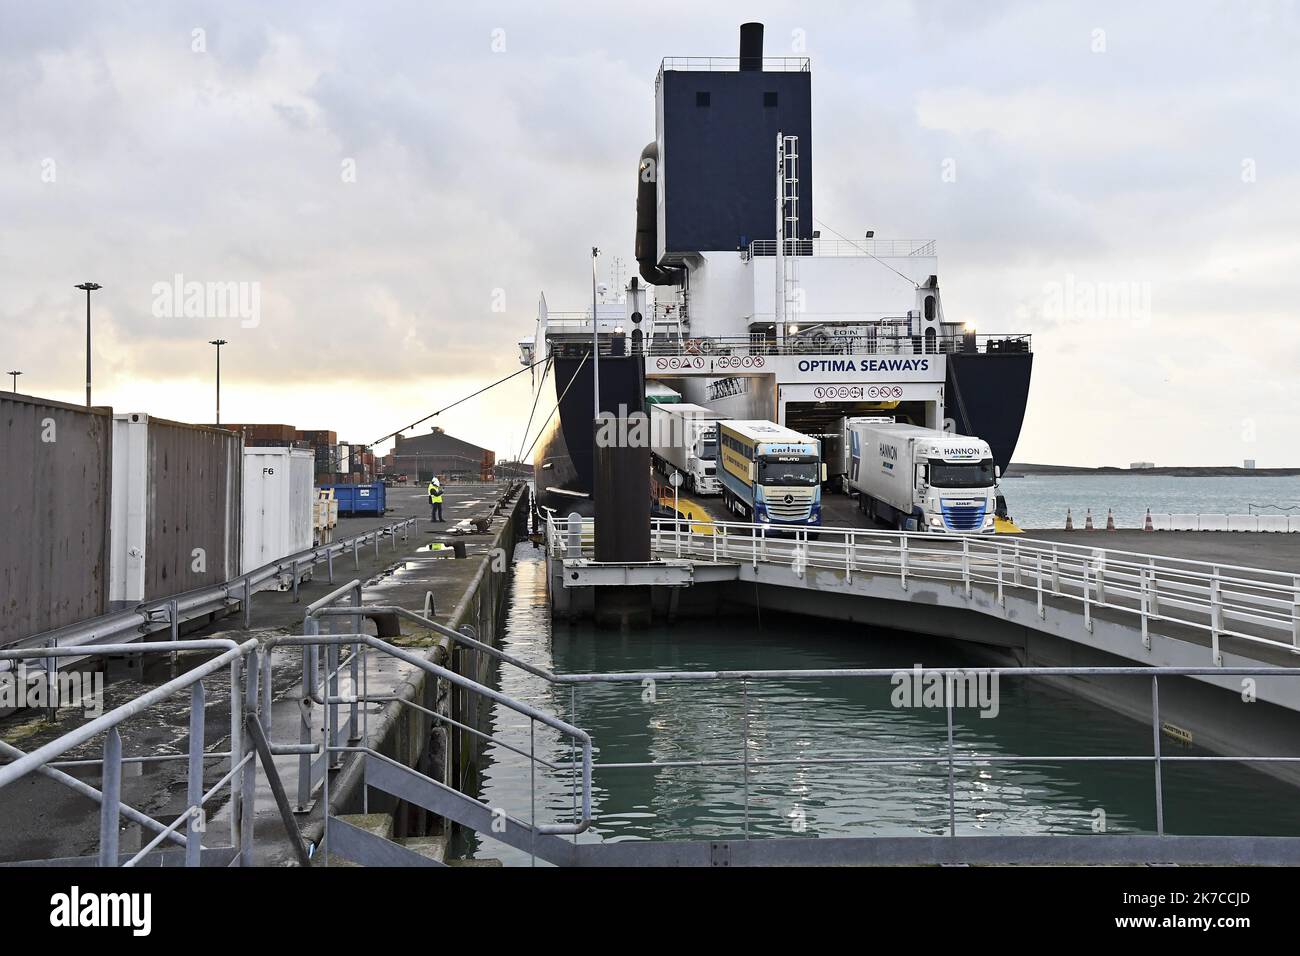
(1069, 520)
(1087, 521)
(1110, 520)
(1147, 525)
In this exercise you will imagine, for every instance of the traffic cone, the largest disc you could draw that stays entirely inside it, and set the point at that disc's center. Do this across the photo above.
(1087, 521)
(1110, 520)
(1147, 525)
(1069, 521)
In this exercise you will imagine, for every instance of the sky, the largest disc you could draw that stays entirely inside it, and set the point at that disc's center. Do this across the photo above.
(387, 188)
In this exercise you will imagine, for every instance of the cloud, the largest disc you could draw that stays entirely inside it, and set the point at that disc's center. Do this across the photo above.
(387, 174)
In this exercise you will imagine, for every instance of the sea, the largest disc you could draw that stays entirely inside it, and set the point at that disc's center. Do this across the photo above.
(1040, 501)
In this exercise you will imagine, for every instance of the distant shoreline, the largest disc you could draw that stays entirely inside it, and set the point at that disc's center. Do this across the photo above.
(1017, 469)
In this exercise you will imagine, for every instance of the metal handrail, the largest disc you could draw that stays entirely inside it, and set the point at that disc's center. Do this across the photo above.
(1149, 586)
(311, 641)
(240, 776)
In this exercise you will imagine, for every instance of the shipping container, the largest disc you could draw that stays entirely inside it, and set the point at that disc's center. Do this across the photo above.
(264, 433)
(175, 507)
(55, 495)
(360, 498)
(278, 498)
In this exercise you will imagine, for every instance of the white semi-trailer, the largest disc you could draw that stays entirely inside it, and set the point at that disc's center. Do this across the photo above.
(684, 438)
(920, 479)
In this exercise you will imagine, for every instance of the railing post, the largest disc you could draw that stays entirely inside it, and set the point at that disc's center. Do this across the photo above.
(952, 802)
(331, 691)
(1101, 577)
(1002, 601)
(354, 727)
(1056, 571)
(1041, 613)
(248, 601)
(248, 776)
(1087, 597)
(744, 745)
(1155, 731)
(1146, 608)
(195, 825)
(965, 563)
(849, 555)
(329, 562)
(310, 628)
(902, 559)
(110, 787)
(356, 554)
(1155, 589)
(236, 749)
(1216, 617)
(1295, 616)
(1015, 555)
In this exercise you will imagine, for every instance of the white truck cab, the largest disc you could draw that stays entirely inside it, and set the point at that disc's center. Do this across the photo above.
(921, 479)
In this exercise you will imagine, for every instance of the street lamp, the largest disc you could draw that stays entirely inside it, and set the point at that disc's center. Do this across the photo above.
(595, 336)
(218, 343)
(89, 287)
(15, 374)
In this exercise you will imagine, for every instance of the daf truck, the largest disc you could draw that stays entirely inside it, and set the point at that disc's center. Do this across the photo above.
(684, 438)
(770, 474)
(922, 479)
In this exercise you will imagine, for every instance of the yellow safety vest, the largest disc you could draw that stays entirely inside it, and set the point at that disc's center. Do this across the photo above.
(435, 494)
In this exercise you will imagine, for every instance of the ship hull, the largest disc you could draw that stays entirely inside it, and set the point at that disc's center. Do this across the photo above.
(563, 461)
(985, 395)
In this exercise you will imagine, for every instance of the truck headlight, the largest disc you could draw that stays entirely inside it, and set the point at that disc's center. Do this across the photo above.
(764, 518)
(936, 521)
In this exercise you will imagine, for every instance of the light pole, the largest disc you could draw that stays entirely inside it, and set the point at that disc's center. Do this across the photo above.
(15, 375)
(89, 287)
(218, 343)
(595, 336)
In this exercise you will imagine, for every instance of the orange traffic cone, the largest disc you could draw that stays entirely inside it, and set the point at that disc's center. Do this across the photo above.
(1087, 521)
(1069, 521)
(1148, 526)
(1110, 520)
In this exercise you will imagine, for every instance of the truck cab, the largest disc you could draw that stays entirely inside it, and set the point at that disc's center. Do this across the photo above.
(956, 486)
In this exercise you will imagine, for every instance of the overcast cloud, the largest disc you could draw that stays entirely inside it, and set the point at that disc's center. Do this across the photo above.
(1145, 148)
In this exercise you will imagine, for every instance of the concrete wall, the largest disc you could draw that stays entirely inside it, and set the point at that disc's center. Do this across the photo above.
(55, 478)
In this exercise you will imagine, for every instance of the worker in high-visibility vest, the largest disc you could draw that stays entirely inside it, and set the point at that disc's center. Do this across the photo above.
(435, 499)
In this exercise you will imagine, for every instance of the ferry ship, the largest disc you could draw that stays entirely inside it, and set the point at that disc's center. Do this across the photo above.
(749, 304)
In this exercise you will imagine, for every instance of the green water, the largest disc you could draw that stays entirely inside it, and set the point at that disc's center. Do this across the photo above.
(807, 721)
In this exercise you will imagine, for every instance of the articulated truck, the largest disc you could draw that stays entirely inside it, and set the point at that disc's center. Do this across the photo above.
(920, 479)
(684, 438)
(771, 475)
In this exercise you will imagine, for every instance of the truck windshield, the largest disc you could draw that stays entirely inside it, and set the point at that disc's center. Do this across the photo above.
(788, 472)
(947, 474)
(709, 446)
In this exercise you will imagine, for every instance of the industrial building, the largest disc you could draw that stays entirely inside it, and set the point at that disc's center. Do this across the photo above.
(437, 453)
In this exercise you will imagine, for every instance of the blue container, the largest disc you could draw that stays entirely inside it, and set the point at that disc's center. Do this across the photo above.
(360, 499)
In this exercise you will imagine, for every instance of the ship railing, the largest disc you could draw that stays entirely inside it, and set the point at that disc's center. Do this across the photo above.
(879, 342)
(728, 64)
(1186, 598)
(837, 248)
